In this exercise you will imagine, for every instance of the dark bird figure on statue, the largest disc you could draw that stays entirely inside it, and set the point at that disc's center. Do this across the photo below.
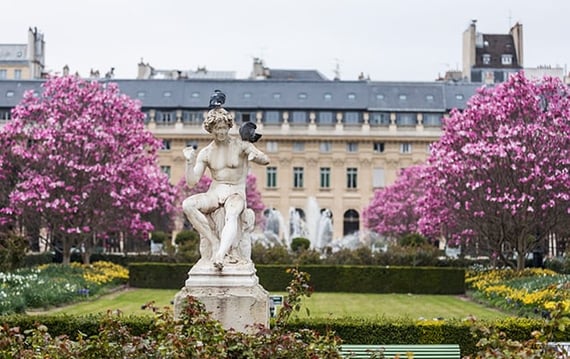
(217, 99)
(247, 132)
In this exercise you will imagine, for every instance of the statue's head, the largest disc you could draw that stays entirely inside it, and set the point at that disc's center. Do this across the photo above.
(215, 116)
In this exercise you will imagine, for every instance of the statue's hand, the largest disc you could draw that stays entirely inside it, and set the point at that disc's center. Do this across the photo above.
(189, 154)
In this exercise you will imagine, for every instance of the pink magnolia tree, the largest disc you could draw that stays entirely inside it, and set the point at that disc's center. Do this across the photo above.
(500, 172)
(393, 210)
(254, 200)
(85, 164)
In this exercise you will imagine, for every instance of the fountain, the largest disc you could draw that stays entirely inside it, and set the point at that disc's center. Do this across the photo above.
(324, 236)
(274, 233)
(313, 223)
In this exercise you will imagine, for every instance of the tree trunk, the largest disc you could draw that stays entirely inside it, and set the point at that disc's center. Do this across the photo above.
(520, 261)
(66, 251)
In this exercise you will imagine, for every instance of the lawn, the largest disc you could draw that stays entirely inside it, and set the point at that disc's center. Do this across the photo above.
(320, 305)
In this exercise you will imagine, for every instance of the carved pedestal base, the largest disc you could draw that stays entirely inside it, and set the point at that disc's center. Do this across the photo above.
(233, 296)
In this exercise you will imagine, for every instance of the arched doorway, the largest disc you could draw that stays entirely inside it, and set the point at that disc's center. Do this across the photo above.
(351, 222)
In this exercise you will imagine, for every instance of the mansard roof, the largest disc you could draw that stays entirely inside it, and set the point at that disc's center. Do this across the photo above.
(280, 95)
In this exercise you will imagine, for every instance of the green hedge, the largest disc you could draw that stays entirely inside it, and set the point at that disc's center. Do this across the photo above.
(324, 278)
(352, 331)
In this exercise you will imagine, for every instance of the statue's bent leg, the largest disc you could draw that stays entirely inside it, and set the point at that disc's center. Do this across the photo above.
(200, 223)
(234, 205)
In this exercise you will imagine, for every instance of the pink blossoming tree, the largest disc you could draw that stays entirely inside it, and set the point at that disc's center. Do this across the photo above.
(393, 210)
(500, 172)
(86, 165)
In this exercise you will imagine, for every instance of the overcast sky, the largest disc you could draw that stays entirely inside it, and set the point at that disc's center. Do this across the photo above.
(397, 40)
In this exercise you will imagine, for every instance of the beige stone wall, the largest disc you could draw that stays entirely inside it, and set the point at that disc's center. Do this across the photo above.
(10, 71)
(338, 198)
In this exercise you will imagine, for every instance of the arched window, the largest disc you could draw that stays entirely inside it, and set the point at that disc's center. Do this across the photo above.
(351, 222)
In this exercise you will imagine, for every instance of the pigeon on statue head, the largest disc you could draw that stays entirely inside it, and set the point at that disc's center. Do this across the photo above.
(217, 99)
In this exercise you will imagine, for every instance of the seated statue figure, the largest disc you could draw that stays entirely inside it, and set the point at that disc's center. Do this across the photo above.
(220, 215)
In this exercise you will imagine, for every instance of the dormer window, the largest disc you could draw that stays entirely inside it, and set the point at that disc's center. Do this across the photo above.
(486, 59)
(507, 59)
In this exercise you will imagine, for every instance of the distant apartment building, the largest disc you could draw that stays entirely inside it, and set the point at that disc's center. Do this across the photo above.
(491, 58)
(23, 61)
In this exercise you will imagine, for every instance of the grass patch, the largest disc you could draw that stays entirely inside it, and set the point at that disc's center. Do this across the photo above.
(320, 305)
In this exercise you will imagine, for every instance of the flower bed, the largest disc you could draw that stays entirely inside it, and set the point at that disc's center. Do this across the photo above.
(54, 284)
(533, 291)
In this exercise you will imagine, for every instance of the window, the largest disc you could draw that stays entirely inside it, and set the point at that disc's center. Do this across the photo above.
(247, 95)
(165, 170)
(325, 177)
(195, 95)
(432, 119)
(193, 117)
(325, 146)
(276, 96)
(302, 96)
(379, 96)
(378, 147)
(272, 146)
(299, 117)
(486, 59)
(351, 222)
(351, 118)
(459, 96)
(298, 174)
(489, 77)
(141, 94)
(325, 118)
(3, 74)
(17, 74)
(164, 117)
(429, 98)
(406, 119)
(146, 117)
(166, 144)
(405, 148)
(167, 94)
(5, 115)
(379, 118)
(245, 116)
(9, 93)
(298, 146)
(403, 97)
(271, 117)
(192, 143)
(327, 97)
(506, 59)
(351, 96)
(378, 177)
(271, 173)
(352, 177)
(351, 147)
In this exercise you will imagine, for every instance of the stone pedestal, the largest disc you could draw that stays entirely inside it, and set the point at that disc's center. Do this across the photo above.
(233, 295)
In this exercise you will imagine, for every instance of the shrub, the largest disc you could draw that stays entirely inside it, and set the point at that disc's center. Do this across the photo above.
(273, 255)
(159, 236)
(412, 240)
(299, 244)
(12, 250)
(188, 243)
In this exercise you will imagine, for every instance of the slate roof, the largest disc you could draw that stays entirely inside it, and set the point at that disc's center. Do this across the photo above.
(285, 95)
(296, 75)
(496, 46)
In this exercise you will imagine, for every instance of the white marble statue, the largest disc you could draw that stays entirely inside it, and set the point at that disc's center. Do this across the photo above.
(220, 215)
